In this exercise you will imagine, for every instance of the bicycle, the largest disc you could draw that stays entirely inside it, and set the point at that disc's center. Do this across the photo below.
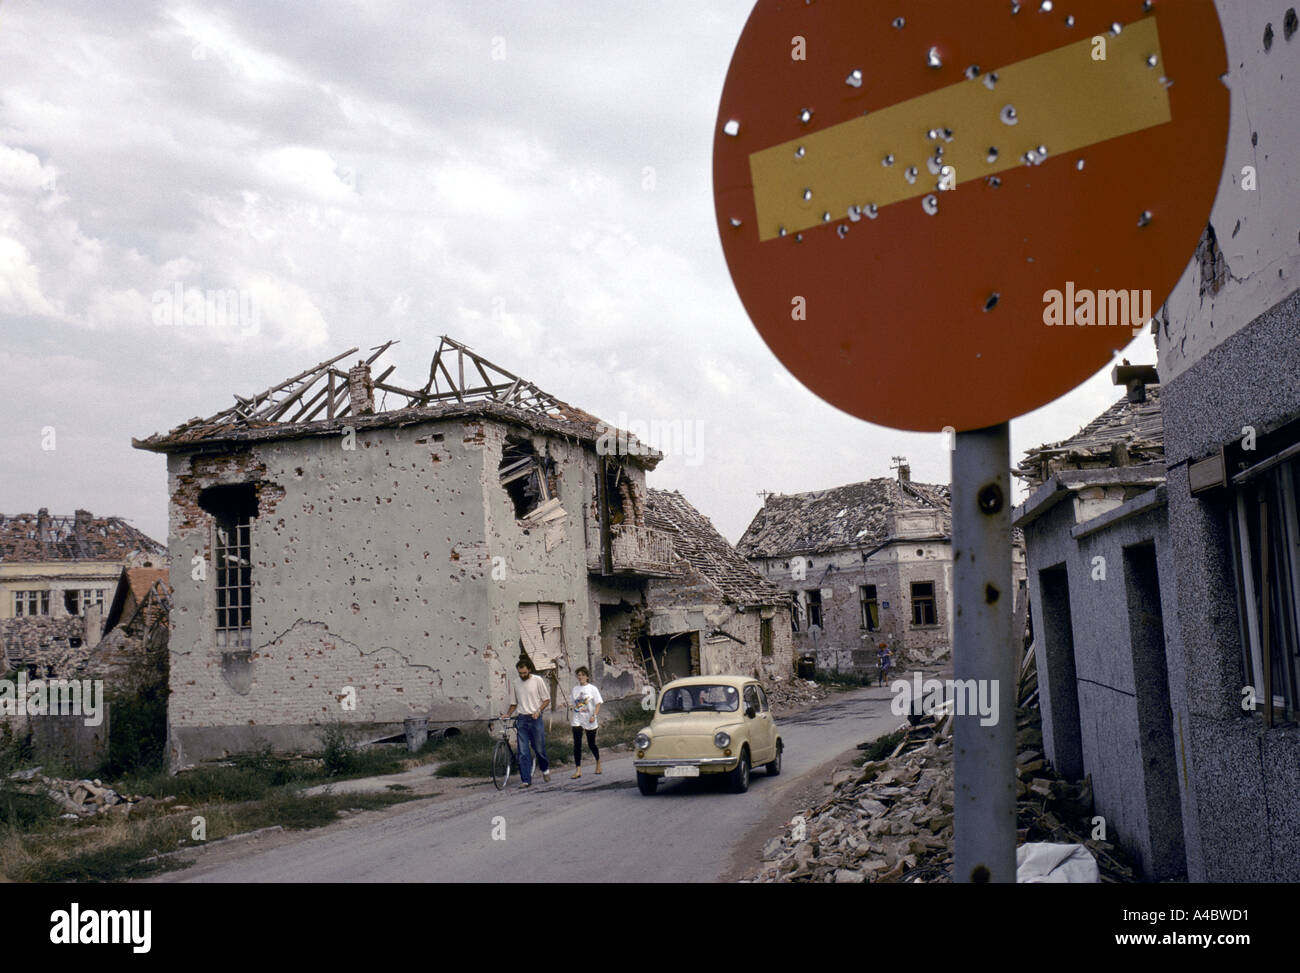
(504, 757)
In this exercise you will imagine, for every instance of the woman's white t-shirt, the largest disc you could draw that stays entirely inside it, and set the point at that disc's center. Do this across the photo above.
(585, 700)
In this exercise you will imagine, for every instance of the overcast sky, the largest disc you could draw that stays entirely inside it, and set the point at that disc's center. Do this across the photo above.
(532, 178)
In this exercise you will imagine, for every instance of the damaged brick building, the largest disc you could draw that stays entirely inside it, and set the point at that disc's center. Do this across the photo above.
(57, 575)
(863, 564)
(345, 548)
(718, 615)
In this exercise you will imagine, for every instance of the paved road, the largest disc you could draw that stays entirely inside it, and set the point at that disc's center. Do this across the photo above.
(596, 828)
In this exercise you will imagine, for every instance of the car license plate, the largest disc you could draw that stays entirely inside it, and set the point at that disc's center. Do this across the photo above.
(682, 772)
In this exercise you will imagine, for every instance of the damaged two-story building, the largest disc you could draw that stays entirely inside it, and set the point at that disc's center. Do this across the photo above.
(57, 575)
(345, 548)
(718, 615)
(864, 564)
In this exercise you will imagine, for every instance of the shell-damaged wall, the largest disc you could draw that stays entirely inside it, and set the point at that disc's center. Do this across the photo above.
(395, 568)
(542, 561)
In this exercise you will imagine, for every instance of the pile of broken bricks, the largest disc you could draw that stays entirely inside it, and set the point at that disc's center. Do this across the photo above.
(891, 820)
(82, 798)
(795, 693)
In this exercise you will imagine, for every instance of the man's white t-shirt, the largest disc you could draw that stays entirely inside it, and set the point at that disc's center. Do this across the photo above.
(529, 695)
(585, 700)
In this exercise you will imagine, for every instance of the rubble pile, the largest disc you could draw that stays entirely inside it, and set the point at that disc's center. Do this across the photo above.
(891, 820)
(795, 693)
(885, 820)
(79, 798)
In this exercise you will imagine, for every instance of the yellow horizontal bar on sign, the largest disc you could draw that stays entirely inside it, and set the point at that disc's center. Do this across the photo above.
(1064, 100)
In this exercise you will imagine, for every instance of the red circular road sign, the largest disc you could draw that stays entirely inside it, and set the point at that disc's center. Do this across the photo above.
(950, 213)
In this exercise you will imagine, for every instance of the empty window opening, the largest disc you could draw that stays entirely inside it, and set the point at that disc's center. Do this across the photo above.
(526, 477)
(814, 597)
(76, 602)
(619, 495)
(923, 603)
(870, 608)
(765, 636)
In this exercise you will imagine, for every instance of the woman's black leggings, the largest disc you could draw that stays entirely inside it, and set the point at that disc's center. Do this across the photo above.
(577, 745)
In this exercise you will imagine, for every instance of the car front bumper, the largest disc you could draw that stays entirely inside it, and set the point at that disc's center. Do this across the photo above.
(706, 764)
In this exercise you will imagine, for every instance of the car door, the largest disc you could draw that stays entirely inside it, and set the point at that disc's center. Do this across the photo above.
(760, 746)
(765, 714)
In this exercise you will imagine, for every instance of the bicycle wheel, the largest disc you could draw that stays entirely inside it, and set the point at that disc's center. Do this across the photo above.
(502, 759)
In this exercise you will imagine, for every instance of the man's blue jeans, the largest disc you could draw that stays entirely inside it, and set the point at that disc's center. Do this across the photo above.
(532, 736)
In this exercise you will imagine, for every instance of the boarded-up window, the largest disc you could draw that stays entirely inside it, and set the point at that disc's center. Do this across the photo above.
(540, 630)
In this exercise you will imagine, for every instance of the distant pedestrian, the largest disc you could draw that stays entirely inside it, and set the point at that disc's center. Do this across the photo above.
(884, 659)
(584, 703)
(530, 696)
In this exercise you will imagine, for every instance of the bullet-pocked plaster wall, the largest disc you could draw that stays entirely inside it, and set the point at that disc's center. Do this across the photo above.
(395, 568)
(1253, 260)
(844, 639)
(1116, 752)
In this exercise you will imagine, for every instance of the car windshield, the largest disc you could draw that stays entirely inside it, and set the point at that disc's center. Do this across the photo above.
(700, 699)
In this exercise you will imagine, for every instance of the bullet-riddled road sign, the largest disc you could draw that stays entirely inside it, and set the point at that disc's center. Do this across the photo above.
(950, 213)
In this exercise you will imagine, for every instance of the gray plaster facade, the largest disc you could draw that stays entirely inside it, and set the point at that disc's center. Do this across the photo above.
(1246, 775)
(386, 580)
(373, 567)
(1105, 679)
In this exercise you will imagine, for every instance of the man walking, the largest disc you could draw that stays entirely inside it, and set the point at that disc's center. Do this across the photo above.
(530, 696)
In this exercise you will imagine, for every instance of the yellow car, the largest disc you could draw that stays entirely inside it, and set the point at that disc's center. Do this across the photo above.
(708, 725)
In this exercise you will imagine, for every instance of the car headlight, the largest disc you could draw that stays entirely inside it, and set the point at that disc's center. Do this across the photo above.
(722, 740)
(642, 741)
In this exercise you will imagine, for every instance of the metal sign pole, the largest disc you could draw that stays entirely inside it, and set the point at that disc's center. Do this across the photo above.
(983, 661)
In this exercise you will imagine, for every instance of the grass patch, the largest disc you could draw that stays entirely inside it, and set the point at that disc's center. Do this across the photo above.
(883, 747)
(254, 775)
(115, 848)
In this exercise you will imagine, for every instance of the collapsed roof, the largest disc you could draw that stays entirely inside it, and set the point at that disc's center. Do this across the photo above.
(1126, 434)
(696, 541)
(326, 397)
(853, 516)
(39, 537)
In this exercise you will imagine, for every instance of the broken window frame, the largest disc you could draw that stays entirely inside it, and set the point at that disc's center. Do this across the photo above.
(870, 607)
(520, 461)
(82, 598)
(925, 613)
(813, 599)
(1269, 500)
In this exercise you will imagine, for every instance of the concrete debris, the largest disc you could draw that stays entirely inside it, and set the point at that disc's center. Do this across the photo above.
(795, 694)
(891, 820)
(80, 798)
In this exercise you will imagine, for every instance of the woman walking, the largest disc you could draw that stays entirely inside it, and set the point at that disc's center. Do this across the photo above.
(584, 702)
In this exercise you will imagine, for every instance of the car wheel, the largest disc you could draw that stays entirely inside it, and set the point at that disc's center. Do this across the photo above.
(648, 783)
(774, 768)
(740, 776)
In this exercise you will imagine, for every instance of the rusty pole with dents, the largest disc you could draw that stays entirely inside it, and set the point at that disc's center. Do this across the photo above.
(984, 757)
